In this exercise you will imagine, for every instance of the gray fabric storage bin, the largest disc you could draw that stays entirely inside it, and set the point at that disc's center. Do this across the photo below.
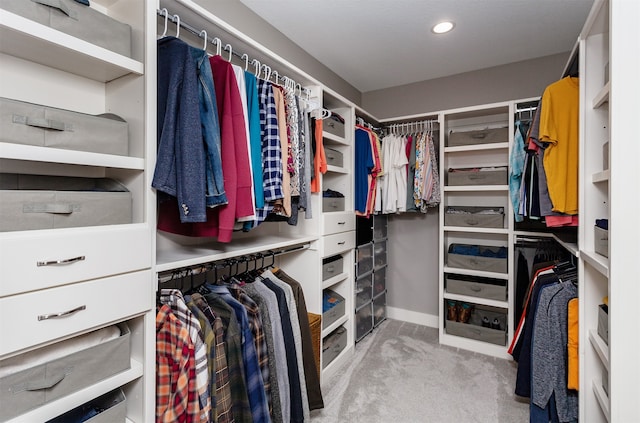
(332, 266)
(364, 321)
(330, 204)
(34, 124)
(30, 202)
(481, 136)
(76, 20)
(601, 241)
(33, 387)
(333, 345)
(333, 126)
(334, 313)
(472, 216)
(491, 289)
(458, 177)
(334, 157)
(112, 404)
(364, 290)
(487, 264)
(603, 323)
(475, 330)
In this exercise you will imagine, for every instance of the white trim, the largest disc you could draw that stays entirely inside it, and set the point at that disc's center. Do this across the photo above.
(418, 318)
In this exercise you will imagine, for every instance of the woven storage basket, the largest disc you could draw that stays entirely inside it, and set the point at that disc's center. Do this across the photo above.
(315, 327)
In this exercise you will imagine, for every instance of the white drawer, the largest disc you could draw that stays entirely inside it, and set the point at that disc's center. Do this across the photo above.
(28, 320)
(90, 253)
(335, 244)
(338, 222)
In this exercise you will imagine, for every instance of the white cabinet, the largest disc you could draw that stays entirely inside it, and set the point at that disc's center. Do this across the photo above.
(94, 276)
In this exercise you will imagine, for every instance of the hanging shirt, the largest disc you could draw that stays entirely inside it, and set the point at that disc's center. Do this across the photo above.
(278, 95)
(516, 168)
(363, 166)
(253, 108)
(242, 90)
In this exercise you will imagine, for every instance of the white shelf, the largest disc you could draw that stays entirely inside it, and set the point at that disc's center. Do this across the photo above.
(335, 325)
(603, 399)
(24, 38)
(475, 188)
(476, 300)
(602, 97)
(337, 169)
(601, 176)
(601, 348)
(55, 408)
(59, 155)
(477, 147)
(334, 139)
(476, 230)
(344, 357)
(572, 247)
(481, 347)
(494, 275)
(597, 261)
(334, 280)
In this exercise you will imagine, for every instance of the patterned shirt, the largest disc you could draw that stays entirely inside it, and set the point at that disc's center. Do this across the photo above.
(176, 391)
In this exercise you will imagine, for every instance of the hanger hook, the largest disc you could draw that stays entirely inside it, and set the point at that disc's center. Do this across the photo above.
(299, 87)
(218, 45)
(257, 65)
(165, 12)
(245, 57)
(176, 19)
(276, 74)
(230, 51)
(203, 34)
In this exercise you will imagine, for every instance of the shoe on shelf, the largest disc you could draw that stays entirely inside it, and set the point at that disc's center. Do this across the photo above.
(452, 310)
(464, 312)
(485, 322)
(495, 324)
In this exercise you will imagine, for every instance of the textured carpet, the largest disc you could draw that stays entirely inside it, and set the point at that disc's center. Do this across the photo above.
(401, 374)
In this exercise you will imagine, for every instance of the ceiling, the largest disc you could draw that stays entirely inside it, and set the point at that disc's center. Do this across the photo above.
(376, 44)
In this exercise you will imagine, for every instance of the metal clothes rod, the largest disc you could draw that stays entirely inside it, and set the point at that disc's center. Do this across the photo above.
(286, 81)
(207, 267)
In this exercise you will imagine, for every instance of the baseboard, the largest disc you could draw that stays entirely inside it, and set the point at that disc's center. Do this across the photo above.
(424, 319)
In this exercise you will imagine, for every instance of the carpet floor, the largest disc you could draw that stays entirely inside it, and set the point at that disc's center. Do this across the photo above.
(401, 374)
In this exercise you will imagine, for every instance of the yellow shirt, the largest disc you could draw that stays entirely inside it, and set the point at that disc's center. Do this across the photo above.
(559, 126)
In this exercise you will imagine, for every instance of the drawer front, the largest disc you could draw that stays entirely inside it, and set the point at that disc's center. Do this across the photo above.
(30, 319)
(338, 222)
(335, 244)
(477, 289)
(70, 255)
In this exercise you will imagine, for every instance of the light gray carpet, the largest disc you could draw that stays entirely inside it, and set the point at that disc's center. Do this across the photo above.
(401, 374)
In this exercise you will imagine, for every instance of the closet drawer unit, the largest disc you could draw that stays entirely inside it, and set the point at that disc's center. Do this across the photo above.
(338, 243)
(30, 202)
(601, 241)
(333, 307)
(77, 20)
(34, 124)
(364, 321)
(491, 289)
(333, 345)
(379, 309)
(474, 329)
(481, 136)
(36, 318)
(379, 281)
(364, 259)
(364, 290)
(78, 368)
(112, 408)
(331, 267)
(379, 227)
(334, 157)
(477, 257)
(333, 126)
(379, 254)
(467, 176)
(338, 222)
(36, 260)
(471, 216)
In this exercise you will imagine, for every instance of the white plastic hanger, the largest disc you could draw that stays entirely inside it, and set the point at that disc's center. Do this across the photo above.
(165, 12)
(257, 65)
(230, 51)
(245, 57)
(218, 45)
(176, 20)
(203, 34)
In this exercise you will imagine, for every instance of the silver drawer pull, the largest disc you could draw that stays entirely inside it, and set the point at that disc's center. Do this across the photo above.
(341, 242)
(341, 223)
(62, 313)
(60, 262)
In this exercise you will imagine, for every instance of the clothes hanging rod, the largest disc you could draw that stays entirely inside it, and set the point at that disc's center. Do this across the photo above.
(208, 266)
(260, 67)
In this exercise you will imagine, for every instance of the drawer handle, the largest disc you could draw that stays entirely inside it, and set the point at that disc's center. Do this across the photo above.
(59, 262)
(341, 242)
(341, 223)
(40, 123)
(472, 222)
(475, 288)
(57, 4)
(330, 269)
(47, 383)
(61, 314)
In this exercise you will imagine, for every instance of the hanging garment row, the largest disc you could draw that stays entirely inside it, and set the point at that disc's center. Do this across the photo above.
(234, 149)
(543, 179)
(235, 349)
(398, 173)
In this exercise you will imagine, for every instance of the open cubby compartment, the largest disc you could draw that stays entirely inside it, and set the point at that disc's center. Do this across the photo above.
(478, 199)
(476, 119)
(486, 323)
(480, 239)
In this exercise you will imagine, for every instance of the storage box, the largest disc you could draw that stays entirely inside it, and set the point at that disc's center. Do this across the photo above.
(331, 266)
(30, 202)
(112, 408)
(477, 262)
(333, 345)
(379, 227)
(467, 176)
(473, 286)
(334, 157)
(473, 216)
(76, 20)
(364, 290)
(603, 323)
(379, 309)
(34, 124)
(482, 136)
(30, 388)
(601, 241)
(379, 254)
(475, 330)
(331, 204)
(379, 280)
(364, 259)
(333, 307)
(333, 126)
(364, 321)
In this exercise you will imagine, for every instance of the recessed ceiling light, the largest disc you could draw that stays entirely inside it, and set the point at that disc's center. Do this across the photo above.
(443, 27)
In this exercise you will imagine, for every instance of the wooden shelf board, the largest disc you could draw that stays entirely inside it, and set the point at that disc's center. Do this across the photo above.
(602, 97)
(477, 147)
(476, 300)
(476, 229)
(602, 176)
(481, 273)
(597, 261)
(601, 348)
(472, 188)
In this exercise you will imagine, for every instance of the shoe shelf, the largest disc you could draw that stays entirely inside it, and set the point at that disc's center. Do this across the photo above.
(601, 348)
(603, 399)
(476, 229)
